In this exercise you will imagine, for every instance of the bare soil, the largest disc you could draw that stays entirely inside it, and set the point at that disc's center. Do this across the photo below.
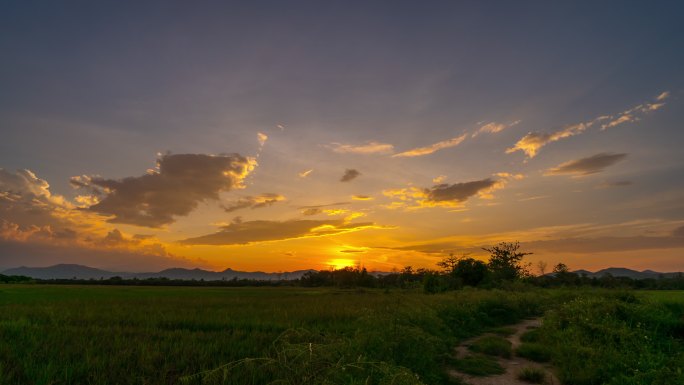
(512, 365)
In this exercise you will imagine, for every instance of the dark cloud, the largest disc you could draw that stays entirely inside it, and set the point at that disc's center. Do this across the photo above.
(458, 192)
(349, 175)
(586, 166)
(311, 211)
(180, 184)
(255, 202)
(262, 231)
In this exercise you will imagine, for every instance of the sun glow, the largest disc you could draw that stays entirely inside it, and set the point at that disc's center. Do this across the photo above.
(340, 263)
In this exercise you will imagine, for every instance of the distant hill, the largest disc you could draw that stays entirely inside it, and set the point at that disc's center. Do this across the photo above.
(66, 271)
(623, 272)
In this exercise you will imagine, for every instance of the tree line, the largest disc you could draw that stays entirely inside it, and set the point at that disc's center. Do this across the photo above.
(504, 268)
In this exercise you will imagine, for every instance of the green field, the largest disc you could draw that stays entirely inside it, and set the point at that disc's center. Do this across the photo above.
(168, 335)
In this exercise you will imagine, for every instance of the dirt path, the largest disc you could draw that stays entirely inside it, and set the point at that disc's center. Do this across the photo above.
(512, 365)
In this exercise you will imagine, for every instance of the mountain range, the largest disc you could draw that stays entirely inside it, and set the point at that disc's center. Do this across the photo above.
(68, 271)
(623, 272)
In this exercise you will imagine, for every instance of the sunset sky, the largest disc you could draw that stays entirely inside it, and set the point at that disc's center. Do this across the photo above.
(277, 136)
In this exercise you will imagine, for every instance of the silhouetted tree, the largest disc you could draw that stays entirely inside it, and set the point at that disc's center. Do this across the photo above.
(505, 261)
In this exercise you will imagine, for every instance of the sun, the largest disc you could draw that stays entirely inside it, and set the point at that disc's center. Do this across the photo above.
(339, 263)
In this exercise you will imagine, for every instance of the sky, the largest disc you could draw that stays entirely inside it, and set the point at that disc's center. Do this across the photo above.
(277, 136)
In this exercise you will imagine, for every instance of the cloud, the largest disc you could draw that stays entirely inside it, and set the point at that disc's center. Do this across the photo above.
(255, 202)
(261, 137)
(349, 174)
(362, 197)
(493, 128)
(180, 184)
(304, 174)
(420, 151)
(439, 179)
(367, 148)
(444, 195)
(586, 166)
(531, 143)
(267, 231)
(663, 96)
(458, 192)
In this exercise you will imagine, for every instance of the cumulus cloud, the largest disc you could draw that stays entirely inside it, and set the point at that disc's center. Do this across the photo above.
(255, 202)
(180, 184)
(420, 151)
(266, 231)
(586, 166)
(349, 174)
(366, 148)
(493, 128)
(531, 143)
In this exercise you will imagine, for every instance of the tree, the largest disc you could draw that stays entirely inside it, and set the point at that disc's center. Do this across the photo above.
(505, 261)
(541, 266)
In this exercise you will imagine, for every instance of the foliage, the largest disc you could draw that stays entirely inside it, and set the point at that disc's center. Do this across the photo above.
(505, 262)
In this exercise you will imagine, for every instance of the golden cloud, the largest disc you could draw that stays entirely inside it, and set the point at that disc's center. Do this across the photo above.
(420, 151)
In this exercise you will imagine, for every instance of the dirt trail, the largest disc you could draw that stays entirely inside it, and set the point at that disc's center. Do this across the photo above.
(512, 365)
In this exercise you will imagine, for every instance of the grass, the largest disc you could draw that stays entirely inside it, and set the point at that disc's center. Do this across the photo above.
(492, 345)
(534, 351)
(617, 338)
(68, 335)
(164, 335)
(532, 375)
(478, 365)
